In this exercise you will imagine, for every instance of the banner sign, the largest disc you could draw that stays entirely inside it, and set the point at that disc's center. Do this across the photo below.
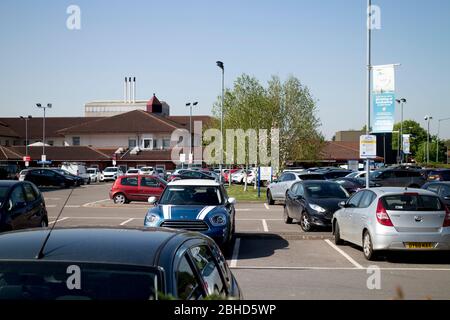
(384, 78)
(406, 144)
(384, 112)
(368, 147)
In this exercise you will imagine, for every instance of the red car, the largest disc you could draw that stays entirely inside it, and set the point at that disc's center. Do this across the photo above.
(136, 188)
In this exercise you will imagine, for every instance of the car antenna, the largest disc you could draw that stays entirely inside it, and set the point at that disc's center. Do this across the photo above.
(40, 254)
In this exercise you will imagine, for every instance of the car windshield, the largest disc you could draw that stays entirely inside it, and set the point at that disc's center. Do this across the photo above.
(146, 169)
(375, 174)
(325, 190)
(192, 195)
(76, 281)
(352, 175)
(63, 172)
(412, 202)
(111, 170)
(91, 170)
(311, 177)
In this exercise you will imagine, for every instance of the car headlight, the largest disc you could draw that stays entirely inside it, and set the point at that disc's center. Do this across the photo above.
(151, 220)
(218, 220)
(317, 208)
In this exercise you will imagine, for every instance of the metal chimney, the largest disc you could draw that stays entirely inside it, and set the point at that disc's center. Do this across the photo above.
(125, 91)
(129, 88)
(134, 90)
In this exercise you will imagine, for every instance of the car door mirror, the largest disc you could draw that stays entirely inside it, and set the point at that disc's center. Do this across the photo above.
(231, 200)
(152, 200)
(342, 204)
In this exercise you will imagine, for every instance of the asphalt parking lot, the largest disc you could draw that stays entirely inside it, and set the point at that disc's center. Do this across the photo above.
(272, 260)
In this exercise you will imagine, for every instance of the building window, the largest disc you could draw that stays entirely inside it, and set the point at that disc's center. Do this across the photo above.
(132, 143)
(75, 141)
(166, 144)
(155, 144)
(6, 143)
(51, 143)
(147, 143)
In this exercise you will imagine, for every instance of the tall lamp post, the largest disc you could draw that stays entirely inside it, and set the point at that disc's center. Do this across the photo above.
(369, 69)
(401, 101)
(221, 66)
(190, 105)
(49, 106)
(437, 138)
(428, 119)
(26, 119)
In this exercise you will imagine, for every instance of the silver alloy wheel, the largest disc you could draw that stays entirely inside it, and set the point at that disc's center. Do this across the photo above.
(119, 199)
(305, 221)
(367, 245)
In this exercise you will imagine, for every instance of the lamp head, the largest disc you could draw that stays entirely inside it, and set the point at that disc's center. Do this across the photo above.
(49, 105)
(195, 103)
(220, 64)
(38, 105)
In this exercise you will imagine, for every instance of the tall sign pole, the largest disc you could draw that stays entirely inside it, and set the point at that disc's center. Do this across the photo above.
(369, 67)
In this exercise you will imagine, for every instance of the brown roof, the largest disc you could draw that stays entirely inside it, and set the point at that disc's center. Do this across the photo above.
(147, 155)
(341, 151)
(6, 131)
(136, 121)
(73, 153)
(52, 125)
(184, 120)
(7, 154)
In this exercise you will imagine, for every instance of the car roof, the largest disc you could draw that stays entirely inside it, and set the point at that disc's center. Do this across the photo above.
(447, 183)
(307, 182)
(381, 191)
(137, 246)
(9, 183)
(194, 182)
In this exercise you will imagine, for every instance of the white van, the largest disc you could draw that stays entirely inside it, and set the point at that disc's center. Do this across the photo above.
(77, 170)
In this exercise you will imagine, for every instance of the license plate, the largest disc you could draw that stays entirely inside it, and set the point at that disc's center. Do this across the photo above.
(420, 245)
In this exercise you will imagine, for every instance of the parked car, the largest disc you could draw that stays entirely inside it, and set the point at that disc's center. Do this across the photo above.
(353, 185)
(276, 191)
(132, 172)
(94, 174)
(439, 175)
(9, 171)
(49, 177)
(136, 188)
(313, 203)
(356, 174)
(334, 173)
(440, 188)
(393, 219)
(79, 180)
(161, 173)
(398, 178)
(239, 176)
(191, 174)
(146, 171)
(113, 264)
(21, 206)
(78, 170)
(196, 205)
(111, 174)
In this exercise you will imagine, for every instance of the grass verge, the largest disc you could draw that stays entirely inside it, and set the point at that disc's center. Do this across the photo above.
(237, 192)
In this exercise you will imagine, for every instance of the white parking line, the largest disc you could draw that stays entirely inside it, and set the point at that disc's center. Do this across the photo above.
(72, 206)
(336, 268)
(50, 199)
(62, 219)
(126, 221)
(267, 206)
(346, 256)
(51, 205)
(265, 227)
(242, 209)
(235, 256)
(95, 202)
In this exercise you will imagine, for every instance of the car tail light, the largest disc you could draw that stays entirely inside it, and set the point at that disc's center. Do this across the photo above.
(447, 217)
(382, 215)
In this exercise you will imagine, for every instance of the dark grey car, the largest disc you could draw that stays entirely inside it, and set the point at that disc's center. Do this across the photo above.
(398, 178)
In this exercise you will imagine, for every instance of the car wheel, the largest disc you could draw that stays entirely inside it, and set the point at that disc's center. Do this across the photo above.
(367, 244)
(337, 235)
(269, 198)
(305, 224)
(286, 218)
(120, 198)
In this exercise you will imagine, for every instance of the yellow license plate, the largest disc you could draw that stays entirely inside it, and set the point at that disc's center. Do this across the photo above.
(420, 245)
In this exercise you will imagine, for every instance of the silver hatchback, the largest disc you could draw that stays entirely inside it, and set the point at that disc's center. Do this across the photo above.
(393, 219)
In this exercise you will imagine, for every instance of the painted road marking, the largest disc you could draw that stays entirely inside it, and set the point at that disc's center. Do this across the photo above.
(72, 206)
(126, 221)
(234, 258)
(50, 199)
(346, 256)
(267, 206)
(51, 205)
(95, 202)
(265, 227)
(336, 268)
(62, 219)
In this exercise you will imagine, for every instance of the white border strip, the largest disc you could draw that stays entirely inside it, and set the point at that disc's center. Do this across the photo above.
(265, 227)
(126, 221)
(62, 219)
(346, 256)
(237, 244)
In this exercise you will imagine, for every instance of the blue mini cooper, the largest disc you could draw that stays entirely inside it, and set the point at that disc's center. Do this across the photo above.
(195, 205)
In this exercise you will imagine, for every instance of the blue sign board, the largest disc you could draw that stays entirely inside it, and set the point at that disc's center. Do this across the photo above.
(383, 112)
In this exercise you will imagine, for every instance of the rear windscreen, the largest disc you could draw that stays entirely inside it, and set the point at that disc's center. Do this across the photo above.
(404, 202)
(312, 177)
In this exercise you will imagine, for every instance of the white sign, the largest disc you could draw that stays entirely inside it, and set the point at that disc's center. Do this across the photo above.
(191, 158)
(406, 144)
(266, 173)
(384, 78)
(182, 157)
(353, 165)
(27, 164)
(114, 163)
(44, 158)
(368, 147)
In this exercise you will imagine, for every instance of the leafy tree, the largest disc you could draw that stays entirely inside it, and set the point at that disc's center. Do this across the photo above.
(421, 155)
(418, 135)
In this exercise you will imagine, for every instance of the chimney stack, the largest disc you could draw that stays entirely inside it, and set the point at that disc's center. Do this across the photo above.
(125, 91)
(130, 89)
(134, 89)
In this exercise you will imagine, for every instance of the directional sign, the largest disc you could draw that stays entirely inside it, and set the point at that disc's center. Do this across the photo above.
(26, 159)
(368, 147)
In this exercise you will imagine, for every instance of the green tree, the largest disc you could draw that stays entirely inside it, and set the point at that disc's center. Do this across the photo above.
(418, 135)
(421, 155)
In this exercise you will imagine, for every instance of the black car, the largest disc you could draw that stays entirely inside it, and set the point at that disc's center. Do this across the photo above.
(313, 203)
(113, 264)
(334, 174)
(441, 188)
(353, 185)
(439, 175)
(79, 180)
(48, 177)
(398, 178)
(21, 206)
(191, 174)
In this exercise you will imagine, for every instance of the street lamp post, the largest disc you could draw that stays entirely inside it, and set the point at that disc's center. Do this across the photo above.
(437, 138)
(369, 68)
(428, 119)
(49, 105)
(26, 119)
(400, 138)
(190, 105)
(221, 66)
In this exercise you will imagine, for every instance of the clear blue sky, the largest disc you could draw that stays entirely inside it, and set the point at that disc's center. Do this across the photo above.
(171, 47)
